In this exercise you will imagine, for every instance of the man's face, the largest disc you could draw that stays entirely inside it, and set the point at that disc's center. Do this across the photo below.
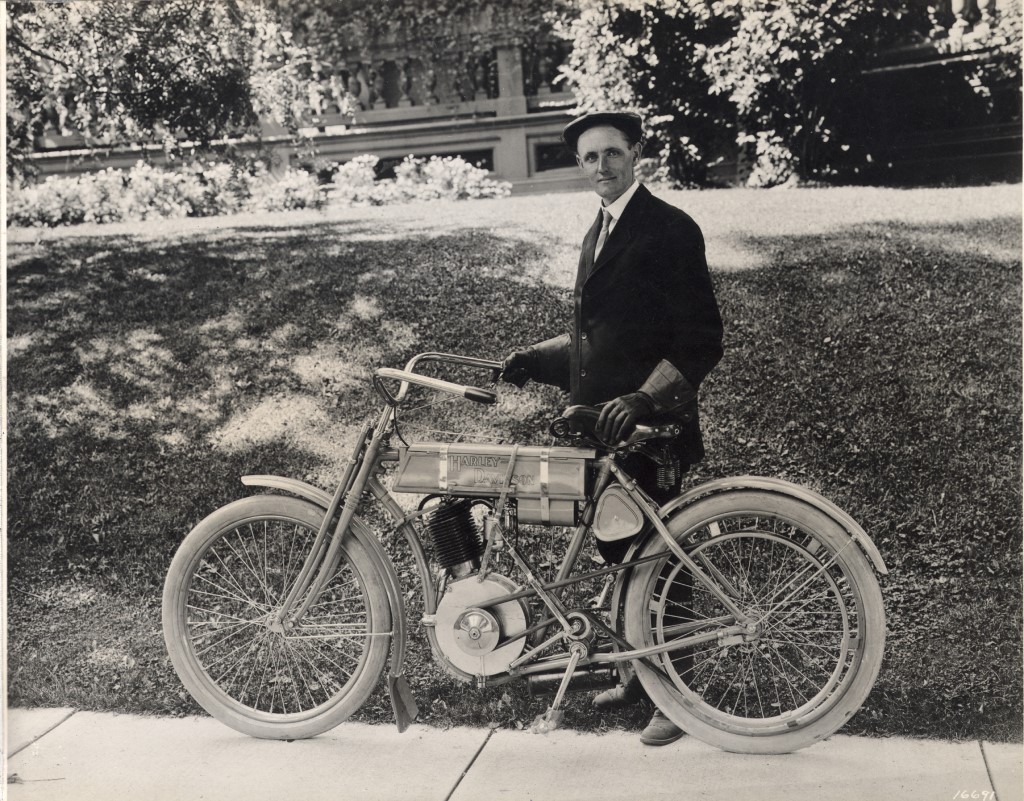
(607, 160)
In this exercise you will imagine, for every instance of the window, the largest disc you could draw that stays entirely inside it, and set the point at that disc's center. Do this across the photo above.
(552, 156)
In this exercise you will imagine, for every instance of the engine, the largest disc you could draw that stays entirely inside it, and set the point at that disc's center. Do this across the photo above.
(469, 629)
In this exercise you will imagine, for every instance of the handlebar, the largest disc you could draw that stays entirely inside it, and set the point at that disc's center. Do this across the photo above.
(409, 376)
(451, 358)
(583, 419)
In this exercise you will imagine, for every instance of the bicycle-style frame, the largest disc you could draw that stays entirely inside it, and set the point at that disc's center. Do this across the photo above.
(737, 589)
(572, 626)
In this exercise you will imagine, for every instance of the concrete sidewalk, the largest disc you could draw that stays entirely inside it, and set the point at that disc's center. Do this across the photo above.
(57, 754)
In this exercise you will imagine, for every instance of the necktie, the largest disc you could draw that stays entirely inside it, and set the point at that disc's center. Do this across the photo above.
(606, 221)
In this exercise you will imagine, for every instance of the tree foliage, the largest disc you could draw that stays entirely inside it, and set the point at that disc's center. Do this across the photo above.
(651, 57)
(792, 72)
(783, 81)
(332, 27)
(119, 71)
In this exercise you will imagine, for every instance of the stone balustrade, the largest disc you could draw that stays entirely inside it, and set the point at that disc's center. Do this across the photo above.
(389, 86)
(965, 24)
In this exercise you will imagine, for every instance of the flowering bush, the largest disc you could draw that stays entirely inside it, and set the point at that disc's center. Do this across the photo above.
(56, 201)
(151, 193)
(355, 183)
(209, 188)
(145, 192)
(448, 177)
(774, 162)
(216, 187)
(296, 189)
(99, 197)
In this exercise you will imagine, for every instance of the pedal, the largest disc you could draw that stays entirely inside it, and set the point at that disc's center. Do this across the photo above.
(548, 722)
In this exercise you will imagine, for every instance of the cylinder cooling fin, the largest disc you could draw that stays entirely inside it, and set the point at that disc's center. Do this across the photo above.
(454, 532)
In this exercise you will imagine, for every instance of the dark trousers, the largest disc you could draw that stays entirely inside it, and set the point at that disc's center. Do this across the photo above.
(680, 593)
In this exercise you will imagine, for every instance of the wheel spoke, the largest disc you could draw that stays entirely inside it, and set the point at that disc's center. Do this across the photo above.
(230, 604)
(246, 563)
(791, 662)
(224, 594)
(231, 631)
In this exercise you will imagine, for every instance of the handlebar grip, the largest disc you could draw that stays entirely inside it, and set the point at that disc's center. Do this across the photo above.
(479, 395)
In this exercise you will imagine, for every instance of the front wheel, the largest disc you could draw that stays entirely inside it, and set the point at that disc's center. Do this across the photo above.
(245, 667)
(816, 623)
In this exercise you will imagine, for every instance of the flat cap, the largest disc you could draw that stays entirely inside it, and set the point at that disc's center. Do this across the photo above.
(630, 124)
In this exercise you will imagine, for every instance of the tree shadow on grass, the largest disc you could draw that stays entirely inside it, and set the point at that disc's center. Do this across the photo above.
(879, 364)
(143, 354)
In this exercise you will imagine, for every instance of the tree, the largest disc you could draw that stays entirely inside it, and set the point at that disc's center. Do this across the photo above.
(793, 73)
(781, 80)
(118, 71)
(650, 57)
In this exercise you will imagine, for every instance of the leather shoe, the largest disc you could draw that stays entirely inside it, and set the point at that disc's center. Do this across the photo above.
(618, 697)
(660, 731)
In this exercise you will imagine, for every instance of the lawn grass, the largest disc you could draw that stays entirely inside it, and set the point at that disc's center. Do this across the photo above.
(872, 353)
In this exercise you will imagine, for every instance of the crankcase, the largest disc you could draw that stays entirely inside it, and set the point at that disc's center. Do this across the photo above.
(469, 633)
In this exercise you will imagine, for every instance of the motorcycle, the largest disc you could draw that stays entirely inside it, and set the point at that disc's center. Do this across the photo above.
(748, 607)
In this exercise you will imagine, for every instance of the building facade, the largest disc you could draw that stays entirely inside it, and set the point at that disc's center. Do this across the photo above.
(499, 105)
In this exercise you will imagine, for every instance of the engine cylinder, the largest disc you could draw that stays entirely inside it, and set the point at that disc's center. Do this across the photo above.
(455, 534)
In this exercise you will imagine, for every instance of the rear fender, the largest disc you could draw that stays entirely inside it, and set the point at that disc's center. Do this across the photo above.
(778, 485)
(401, 698)
(761, 483)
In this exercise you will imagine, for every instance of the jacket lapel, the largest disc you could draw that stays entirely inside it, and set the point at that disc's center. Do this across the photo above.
(623, 231)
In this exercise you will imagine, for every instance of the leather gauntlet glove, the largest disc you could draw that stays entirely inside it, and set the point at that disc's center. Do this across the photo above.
(619, 416)
(518, 367)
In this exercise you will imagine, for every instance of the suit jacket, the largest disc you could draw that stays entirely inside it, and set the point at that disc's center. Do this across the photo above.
(644, 318)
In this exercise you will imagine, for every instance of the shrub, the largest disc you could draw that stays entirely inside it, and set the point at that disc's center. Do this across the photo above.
(208, 188)
(355, 182)
(41, 205)
(448, 177)
(103, 197)
(296, 189)
(217, 187)
(197, 189)
(143, 192)
(152, 193)
(98, 197)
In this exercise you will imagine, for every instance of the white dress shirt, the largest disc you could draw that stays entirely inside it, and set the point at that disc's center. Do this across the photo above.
(616, 208)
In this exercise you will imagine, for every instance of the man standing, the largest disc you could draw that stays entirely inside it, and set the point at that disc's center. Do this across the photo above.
(646, 327)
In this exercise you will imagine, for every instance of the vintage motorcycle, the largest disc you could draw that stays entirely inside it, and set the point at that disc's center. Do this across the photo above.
(748, 607)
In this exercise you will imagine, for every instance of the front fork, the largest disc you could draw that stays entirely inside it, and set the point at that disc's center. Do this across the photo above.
(322, 561)
(284, 616)
(357, 472)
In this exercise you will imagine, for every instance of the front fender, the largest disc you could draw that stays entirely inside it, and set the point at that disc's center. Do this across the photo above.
(405, 708)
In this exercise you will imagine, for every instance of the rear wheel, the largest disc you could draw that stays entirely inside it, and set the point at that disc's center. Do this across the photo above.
(817, 631)
(243, 666)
